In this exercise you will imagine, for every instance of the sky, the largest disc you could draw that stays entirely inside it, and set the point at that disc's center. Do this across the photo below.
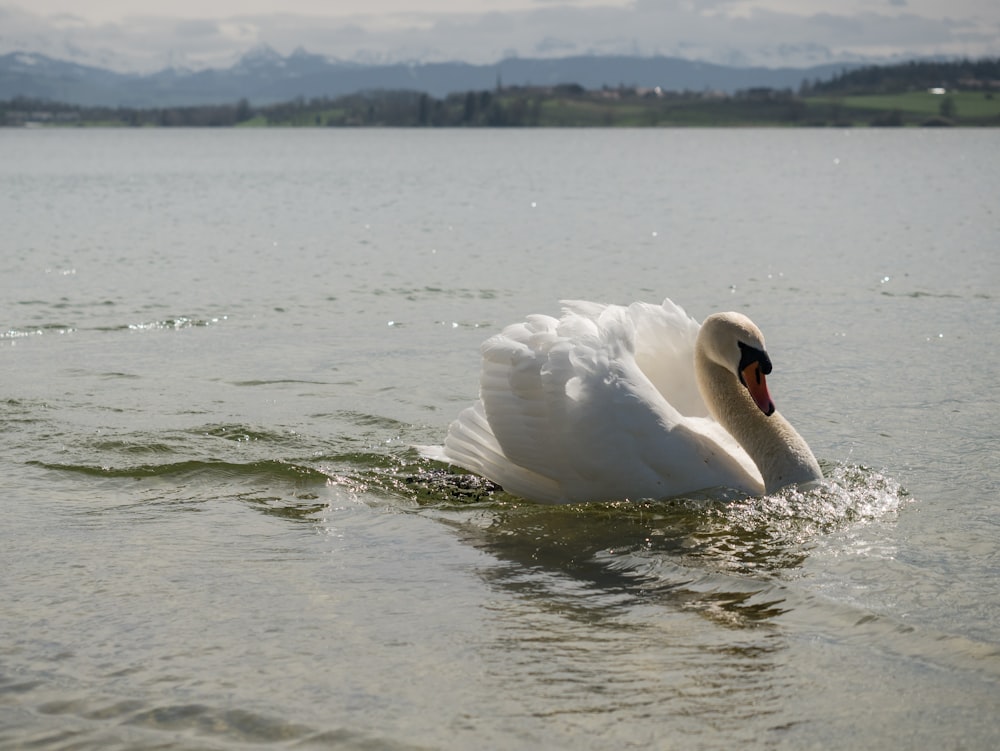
(148, 35)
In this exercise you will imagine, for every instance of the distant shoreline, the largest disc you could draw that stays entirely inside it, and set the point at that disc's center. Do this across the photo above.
(561, 106)
(960, 93)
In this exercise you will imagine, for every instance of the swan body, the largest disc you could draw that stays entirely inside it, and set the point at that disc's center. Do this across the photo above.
(610, 402)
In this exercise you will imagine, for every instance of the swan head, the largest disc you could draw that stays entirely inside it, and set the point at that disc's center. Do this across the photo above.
(733, 341)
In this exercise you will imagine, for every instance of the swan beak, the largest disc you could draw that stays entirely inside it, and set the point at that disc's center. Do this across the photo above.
(753, 379)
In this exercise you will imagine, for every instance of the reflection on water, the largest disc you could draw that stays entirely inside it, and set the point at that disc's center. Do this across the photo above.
(579, 659)
(719, 556)
(604, 606)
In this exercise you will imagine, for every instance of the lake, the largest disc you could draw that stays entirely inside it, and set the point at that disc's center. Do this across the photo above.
(218, 349)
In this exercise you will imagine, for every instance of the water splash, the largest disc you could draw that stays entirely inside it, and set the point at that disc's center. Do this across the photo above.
(849, 494)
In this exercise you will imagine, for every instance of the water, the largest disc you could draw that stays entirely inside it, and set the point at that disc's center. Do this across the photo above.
(218, 348)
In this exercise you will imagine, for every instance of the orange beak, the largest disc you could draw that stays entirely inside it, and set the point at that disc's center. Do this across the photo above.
(753, 379)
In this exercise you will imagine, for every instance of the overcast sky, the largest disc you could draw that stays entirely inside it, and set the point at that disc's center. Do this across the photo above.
(151, 34)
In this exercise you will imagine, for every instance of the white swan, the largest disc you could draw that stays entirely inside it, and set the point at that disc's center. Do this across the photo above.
(611, 402)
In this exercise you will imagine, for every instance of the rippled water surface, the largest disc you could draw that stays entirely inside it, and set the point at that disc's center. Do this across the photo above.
(218, 347)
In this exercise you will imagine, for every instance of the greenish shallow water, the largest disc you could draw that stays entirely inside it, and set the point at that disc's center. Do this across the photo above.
(217, 349)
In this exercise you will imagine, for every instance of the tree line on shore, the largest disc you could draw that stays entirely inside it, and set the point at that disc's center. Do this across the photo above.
(982, 74)
(816, 103)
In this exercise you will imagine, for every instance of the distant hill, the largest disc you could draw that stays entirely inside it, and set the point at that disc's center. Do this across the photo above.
(915, 75)
(264, 77)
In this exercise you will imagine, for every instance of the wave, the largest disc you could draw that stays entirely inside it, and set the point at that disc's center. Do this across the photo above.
(267, 469)
(115, 723)
(62, 328)
(181, 322)
(274, 487)
(22, 332)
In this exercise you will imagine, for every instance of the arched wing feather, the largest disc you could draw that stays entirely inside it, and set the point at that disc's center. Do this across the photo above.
(577, 408)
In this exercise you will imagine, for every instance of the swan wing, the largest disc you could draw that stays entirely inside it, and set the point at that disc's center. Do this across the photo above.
(665, 338)
(576, 408)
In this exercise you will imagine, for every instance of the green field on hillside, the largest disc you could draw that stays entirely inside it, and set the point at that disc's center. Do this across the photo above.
(965, 104)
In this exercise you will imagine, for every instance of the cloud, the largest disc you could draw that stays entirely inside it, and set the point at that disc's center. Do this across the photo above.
(764, 32)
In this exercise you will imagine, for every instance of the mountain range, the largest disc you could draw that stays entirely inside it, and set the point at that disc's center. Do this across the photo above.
(263, 76)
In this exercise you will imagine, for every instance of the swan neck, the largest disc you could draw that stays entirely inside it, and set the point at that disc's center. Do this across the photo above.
(780, 453)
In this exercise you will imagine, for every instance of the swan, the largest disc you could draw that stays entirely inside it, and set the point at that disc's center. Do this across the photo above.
(610, 402)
